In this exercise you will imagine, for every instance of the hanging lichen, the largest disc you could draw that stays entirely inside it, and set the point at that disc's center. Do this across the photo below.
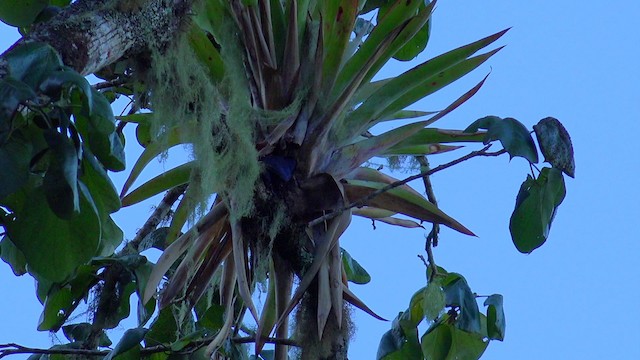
(216, 121)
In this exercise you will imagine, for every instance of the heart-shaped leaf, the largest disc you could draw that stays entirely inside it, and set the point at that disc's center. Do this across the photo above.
(536, 205)
(513, 136)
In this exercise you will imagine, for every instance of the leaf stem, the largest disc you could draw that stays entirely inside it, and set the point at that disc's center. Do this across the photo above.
(363, 201)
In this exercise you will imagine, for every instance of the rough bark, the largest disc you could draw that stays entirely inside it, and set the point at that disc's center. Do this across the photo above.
(91, 34)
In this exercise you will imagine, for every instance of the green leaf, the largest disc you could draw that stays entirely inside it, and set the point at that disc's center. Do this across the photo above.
(61, 179)
(165, 181)
(398, 14)
(350, 157)
(206, 53)
(536, 206)
(60, 300)
(97, 129)
(437, 342)
(496, 323)
(163, 329)
(13, 256)
(54, 314)
(184, 341)
(415, 45)
(126, 288)
(12, 93)
(53, 247)
(156, 239)
(80, 332)
(213, 318)
(337, 25)
(21, 13)
(130, 339)
(446, 342)
(401, 342)
(416, 309)
(513, 136)
(355, 272)
(15, 156)
(416, 83)
(458, 293)
(401, 200)
(154, 149)
(32, 62)
(99, 183)
(555, 145)
(53, 84)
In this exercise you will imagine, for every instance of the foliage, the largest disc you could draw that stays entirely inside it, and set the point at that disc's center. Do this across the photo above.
(276, 100)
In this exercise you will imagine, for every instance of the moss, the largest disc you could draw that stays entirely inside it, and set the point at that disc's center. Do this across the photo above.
(217, 121)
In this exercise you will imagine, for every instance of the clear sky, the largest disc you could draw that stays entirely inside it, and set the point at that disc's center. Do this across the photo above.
(577, 296)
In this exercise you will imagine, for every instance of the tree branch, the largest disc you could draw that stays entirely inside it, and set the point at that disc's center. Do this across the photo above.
(14, 349)
(159, 214)
(91, 34)
(363, 201)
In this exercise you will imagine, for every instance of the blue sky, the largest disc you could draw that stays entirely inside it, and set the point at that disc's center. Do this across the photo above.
(574, 298)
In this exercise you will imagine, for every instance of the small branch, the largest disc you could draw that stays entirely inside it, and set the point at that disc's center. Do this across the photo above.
(111, 83)
(363, 201)
(270, 340)
(432, 238)
(13, 349)
(432, 263)
(159, 214)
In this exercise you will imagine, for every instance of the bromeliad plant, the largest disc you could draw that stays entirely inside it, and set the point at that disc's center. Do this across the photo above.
(278, 102)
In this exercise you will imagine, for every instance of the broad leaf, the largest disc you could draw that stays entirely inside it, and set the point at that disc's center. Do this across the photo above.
(401, 342)
(32, 62)
(163, 329)
(13, 256)
(15, 155)
(165, 181)
(12, 93)
(513, 136)
(446, 342)
(355, 272)
(21, 13)
(53, 247)
(61, 179)
(53, 85)
(536, 205)
(60, 300)
(130, 339)
(457, 293)
(415, 45)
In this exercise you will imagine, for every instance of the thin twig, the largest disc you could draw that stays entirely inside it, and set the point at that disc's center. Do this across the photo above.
(112, 83)
(431, 239)
(431, 196)
(363, 201)
(250, 339)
